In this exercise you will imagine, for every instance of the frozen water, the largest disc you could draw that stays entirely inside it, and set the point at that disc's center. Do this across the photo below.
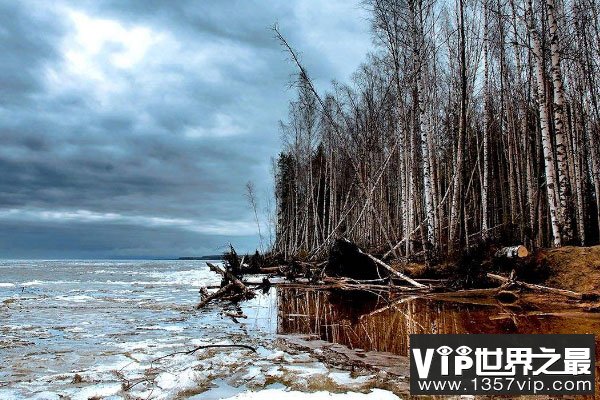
(98, 329)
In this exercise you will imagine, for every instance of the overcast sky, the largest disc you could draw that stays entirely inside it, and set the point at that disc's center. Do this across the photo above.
(129, 128)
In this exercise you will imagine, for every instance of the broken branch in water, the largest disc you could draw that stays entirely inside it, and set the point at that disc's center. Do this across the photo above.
(235, 315)
(228, 276)
(563, 292)
(127, 386)
(352, 284)
(389, 306)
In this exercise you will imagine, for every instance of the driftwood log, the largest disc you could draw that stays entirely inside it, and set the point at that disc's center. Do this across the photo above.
(352, 284)
(228, 276)
(395, 273)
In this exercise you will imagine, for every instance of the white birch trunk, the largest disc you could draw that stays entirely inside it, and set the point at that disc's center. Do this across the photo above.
(486, 127)
(424, 129)
(546, 140)
(592, 141)
(426, 165)
(578, 151)
(559, 125)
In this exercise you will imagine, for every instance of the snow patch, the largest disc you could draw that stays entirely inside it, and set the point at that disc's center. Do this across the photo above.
(345, 379)
(101, 391)
(184, 380)
(281, 394)
(33, 283)
(74, 299)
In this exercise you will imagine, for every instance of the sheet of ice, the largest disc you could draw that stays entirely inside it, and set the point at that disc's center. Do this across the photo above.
(46, 396)
(193, 277)
(9, 394)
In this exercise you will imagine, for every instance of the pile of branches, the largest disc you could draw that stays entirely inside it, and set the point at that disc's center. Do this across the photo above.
(232, 288)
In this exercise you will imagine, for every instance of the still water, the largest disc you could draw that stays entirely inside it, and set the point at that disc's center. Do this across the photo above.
(366, 321)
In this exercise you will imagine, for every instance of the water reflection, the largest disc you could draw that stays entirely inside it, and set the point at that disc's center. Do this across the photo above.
(368, 322)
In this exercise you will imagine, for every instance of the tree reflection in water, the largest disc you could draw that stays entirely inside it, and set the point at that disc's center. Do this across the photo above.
(369, 322)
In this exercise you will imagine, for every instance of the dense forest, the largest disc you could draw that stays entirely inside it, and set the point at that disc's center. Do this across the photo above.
(471, 121)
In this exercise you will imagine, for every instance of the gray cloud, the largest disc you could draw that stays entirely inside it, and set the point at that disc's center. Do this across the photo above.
(136, 124)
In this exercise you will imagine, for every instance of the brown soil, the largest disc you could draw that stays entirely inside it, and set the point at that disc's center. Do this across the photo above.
(414, 270)
(569, 267)
(573, 268)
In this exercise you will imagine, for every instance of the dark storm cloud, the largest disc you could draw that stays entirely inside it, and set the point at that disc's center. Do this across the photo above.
(24, 49)
(130, 128)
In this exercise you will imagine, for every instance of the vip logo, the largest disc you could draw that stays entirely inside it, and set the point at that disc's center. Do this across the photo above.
(462, 360)
(513, 363)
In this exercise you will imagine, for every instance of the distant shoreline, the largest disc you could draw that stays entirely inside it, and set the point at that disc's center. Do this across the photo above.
(203, 258)
(210, 257)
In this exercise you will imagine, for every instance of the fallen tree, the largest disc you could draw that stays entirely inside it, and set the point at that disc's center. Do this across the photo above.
(231, 288)
(347, 260)
(216, 295)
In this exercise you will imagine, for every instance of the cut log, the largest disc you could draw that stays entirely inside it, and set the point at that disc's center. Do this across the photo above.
(519, 251)
(562, 292)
